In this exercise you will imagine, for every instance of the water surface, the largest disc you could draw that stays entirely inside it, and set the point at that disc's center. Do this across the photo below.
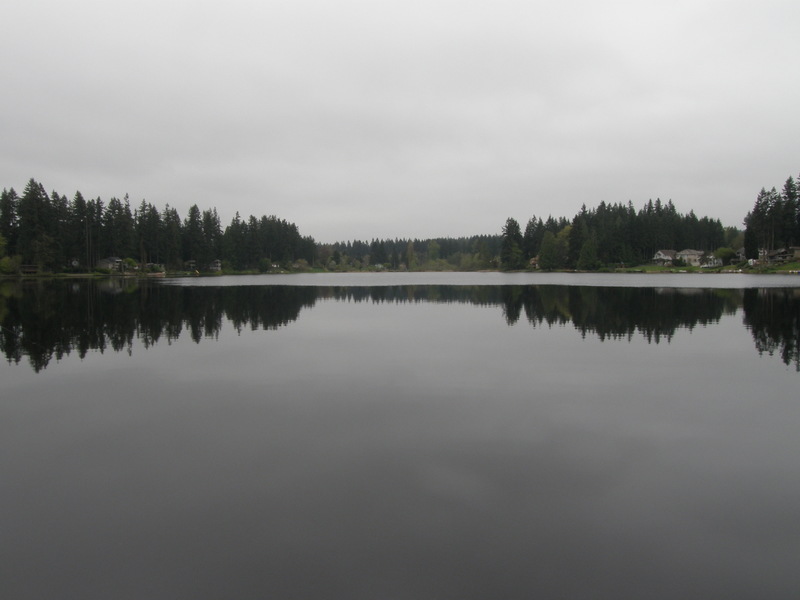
(404, 440)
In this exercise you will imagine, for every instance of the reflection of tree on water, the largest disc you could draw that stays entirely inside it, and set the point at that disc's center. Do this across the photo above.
(619, 312)
(773, 317)
(656, 313)
(467, 294)
(47, 319)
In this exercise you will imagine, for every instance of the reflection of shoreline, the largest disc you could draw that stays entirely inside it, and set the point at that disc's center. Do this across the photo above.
(46, 319)
(773, 318)
(738, 281)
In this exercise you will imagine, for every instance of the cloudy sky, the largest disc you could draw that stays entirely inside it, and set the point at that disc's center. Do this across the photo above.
(358, 119)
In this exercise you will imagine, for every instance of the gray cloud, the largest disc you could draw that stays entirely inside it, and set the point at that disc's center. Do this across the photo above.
(362, 119)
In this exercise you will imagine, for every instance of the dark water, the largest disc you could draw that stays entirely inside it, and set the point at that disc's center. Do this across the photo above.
(398, 441)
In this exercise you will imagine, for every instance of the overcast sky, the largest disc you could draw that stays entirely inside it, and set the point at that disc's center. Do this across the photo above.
(413, 118)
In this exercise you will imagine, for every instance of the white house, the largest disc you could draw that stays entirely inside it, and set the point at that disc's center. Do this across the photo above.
(664, 257)
(691, 257)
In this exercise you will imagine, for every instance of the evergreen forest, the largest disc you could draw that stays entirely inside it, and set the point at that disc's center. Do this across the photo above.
(57, 234)
(611, 235)
(53, 233)
(774, 221)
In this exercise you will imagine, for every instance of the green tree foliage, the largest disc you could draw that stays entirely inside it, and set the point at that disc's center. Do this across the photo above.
(378, 254)
(750, 244)
(587, 259)
(734, 237)
(246, 243)
(9, 265)
(726, 255)
(467, 253)
(149, 227)
(193, 241)
(511, 256)
(233, 243)
(8, 219)
(411, 256)
(549, 255)
(578, 234)
(77, 235)
(55, 233)
(212, 237)
(774, 221)
(532, 238)
(433, 250)
(619, 234)
(171, 242)
(117, 233)
(791, 212)
(37, 228)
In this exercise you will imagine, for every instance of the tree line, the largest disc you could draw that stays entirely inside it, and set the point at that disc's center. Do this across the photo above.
(774, 221)
(401, 254)
(609, 235)
(57, 234)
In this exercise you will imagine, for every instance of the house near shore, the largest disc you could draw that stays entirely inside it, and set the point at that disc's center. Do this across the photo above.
(664, 257)
(694, 258)
(215, 266)
(691, 257)
(782, 255)
(112, 263)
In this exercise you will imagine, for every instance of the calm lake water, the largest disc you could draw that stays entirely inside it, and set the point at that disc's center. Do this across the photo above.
(386, 436)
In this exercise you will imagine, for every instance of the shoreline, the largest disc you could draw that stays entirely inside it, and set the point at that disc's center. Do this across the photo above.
(182, 274)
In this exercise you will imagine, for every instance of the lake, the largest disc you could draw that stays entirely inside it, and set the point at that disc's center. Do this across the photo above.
(401, 436)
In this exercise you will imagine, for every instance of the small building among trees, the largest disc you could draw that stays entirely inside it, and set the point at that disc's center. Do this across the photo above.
(112, 263)
(782, 255)
(664, 257)
(693, 258)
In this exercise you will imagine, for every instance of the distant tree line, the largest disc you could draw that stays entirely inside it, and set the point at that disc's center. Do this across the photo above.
(774, 221)
(57, 234)
(433, 254)
(609, 235)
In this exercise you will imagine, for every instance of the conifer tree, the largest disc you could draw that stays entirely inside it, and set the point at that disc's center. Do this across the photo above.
(8, 219)
(511, 251)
